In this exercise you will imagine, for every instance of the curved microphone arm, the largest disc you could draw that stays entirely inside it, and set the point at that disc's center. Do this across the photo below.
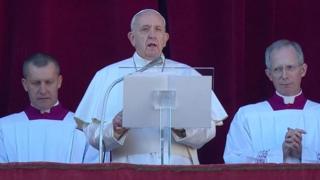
(105, 101)
(154, 62)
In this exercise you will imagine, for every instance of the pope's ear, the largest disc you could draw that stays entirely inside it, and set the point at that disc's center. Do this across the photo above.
(131, 38)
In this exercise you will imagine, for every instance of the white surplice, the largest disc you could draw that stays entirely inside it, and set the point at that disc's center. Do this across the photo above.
(140, 146)
(24, 140)
(257, 132)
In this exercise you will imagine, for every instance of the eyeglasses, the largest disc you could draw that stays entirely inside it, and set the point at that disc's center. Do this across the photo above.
(287, 68)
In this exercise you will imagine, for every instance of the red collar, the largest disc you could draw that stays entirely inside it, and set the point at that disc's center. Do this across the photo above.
(277, 102)
(56, 113)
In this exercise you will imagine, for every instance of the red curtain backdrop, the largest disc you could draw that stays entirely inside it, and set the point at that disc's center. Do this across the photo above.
(230, 35)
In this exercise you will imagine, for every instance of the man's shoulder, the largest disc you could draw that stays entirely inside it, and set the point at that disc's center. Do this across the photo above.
(117, 64)
(69, 116)
(13, 117)
(174, 63)
(101, 74)
(251, 111)
(310, 104)
(114, 66)
(262, 105)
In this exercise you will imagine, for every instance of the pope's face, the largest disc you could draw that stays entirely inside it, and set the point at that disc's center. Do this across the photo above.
(149, 36)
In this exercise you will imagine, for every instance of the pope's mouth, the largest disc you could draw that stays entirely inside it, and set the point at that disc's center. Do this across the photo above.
(152, 45)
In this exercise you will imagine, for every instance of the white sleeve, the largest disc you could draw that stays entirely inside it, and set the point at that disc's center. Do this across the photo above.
(92, 132)
(92, 101)
(197, 137)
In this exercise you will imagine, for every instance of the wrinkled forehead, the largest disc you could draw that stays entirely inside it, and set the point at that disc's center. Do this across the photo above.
(45, 71)
(283, 56)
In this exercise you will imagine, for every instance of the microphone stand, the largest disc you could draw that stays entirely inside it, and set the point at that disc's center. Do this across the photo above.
(154, 62)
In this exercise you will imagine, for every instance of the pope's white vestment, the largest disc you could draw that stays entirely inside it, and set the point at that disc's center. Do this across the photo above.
(140, 146)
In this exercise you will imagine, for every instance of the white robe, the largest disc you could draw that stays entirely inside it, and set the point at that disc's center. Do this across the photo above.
(24, 140)
(257, 132)
(130, 150)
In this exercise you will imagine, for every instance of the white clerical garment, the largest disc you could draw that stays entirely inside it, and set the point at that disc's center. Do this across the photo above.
(25, 140)
(258, 130)
(139, 146)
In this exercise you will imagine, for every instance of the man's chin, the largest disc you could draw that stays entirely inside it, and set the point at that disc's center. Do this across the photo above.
(44, 107)
(288, 93)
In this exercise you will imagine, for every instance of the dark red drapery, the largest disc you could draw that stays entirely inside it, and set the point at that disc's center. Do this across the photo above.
(230, 35)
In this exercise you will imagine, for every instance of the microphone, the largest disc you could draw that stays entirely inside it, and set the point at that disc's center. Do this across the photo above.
(157, 61)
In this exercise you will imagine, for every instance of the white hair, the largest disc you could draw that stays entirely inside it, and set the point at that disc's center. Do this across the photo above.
(280, 44)
(145, 11)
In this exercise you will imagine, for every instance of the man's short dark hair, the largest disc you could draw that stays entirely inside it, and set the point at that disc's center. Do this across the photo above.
(39, 60)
